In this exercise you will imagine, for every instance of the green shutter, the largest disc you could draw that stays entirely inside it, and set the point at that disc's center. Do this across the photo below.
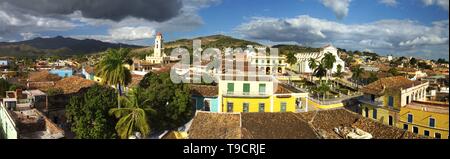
(261, 107)
(262, 88)
(230, 87)
(246, 88)
(283, 107)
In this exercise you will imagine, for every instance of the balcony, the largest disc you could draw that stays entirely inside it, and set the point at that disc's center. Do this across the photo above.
(377, 102)
(245, 94)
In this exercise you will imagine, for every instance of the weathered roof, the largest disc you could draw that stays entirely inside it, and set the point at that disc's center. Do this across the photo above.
(42, 76)
(89, 69)
(389, 83)
(215, 126)
(73, 84)
(275, 126)
(309, 125)
(135, 80)
(204, 90)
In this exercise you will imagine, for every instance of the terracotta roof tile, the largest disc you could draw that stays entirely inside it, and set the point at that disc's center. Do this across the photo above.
(42, 76)
(389, 83)
(204, 90)
(73, 84)
(215, 126)
(309, 125)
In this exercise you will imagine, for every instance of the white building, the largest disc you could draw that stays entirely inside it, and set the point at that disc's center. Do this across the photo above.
(303, 59)
(390, 58)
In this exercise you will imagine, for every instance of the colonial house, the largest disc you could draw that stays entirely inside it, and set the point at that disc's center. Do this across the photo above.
(384, 98)
(425, 118)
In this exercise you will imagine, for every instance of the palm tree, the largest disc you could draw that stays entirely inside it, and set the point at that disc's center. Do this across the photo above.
(323, 88)
(112, 70)
(291, 59)
(133, 117)
(312, 65)
(357, 73)
(339, 72)
(328, 61)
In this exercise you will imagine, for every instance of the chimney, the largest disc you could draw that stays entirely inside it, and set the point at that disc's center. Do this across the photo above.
(18, 94)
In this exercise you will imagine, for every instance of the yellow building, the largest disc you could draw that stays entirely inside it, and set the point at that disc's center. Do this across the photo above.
(425, 118)
(383, 99)
(262, 93)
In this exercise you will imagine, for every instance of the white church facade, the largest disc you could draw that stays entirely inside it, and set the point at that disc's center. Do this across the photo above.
(303, 59)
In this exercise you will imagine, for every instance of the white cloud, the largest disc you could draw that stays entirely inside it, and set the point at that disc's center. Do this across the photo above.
(339, 7)
(132, 33)
(389, 2)
(425, 40)
(28, 35)
(385, 35)
(16, 21)
(441, 3)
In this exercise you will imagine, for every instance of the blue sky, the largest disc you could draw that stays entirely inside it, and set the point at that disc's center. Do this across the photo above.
(399, 27)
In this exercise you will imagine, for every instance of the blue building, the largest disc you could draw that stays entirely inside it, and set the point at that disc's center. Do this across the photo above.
(62, 72)
(4, 62)
(205, 98)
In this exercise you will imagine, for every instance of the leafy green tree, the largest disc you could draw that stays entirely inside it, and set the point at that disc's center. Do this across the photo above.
(291, 59)
(87, 114)
(312, 64)
(320, 72)
(323, 88)
(4, 86)
(424, 65)
(171, 101)
(357, 73)
(54, 91)
(393, 72)
(413, 61)
(442, 61)
(339, 72)
(112, 69)
(372, 77)
(133, 116)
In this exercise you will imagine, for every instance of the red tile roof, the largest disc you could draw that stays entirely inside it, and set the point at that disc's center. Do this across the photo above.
(204, 90)
(390, 83)
(42, 76)
(73, 84)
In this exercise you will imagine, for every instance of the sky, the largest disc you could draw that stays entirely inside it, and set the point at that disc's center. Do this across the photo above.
(400, 27)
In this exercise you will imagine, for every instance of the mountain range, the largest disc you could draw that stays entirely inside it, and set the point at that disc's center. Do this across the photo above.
(61, 46)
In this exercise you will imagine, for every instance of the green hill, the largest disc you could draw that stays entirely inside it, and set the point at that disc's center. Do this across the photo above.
(59, 46)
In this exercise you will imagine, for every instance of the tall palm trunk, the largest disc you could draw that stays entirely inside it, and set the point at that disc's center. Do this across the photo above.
(119, 94)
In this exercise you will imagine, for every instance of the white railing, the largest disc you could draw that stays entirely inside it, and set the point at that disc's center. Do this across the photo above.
(370, 102)
(245, 94)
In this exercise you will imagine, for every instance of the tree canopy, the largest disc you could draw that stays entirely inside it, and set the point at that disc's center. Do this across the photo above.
(88, 115)
(170, 101)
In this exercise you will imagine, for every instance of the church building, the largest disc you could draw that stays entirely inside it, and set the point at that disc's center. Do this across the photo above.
(303, 59)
